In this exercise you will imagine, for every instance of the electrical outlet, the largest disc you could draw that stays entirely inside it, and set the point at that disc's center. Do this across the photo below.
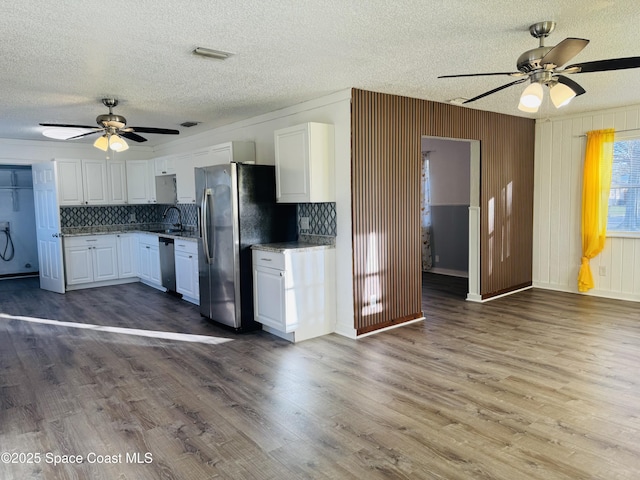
(304, 223)
(132, 218)
(437, 258)
(4, 226)
(602, 271)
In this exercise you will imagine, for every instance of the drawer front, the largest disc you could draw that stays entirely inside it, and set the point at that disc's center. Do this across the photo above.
(186, 246)
(89, 240)
(263, 258)
(147, 239)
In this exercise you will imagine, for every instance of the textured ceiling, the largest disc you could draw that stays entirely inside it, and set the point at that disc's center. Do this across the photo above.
(60, 58)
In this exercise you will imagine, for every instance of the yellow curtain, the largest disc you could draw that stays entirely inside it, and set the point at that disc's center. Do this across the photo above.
(595, 200)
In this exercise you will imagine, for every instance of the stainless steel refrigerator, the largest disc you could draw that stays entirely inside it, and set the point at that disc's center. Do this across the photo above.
(237, 209)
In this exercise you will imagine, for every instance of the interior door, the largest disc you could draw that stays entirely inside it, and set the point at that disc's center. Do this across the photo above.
(48, 233)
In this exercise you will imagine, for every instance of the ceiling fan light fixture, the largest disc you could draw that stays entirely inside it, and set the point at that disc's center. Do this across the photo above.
(532, 95)
(102, 143)
(531, 98)
(117, 143)
(561, 94)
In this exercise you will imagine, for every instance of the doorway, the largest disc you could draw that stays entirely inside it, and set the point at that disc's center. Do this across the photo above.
(451, 170)
(18, 247)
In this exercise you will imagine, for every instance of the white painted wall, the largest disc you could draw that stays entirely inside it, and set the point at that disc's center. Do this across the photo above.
(23, 152)
(557, 208)
(449, 169)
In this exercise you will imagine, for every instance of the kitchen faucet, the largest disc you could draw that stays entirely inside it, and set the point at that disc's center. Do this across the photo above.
(179, 224)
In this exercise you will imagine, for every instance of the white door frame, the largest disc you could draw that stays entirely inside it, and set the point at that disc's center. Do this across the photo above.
(474, 215)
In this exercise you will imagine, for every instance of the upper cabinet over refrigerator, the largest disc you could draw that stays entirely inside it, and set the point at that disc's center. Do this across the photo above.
(305, 163)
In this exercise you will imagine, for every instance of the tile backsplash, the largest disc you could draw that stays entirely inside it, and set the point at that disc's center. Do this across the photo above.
(322, 217)
(125, 215)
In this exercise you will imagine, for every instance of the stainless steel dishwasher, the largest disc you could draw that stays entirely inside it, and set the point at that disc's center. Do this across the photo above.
(167, 264)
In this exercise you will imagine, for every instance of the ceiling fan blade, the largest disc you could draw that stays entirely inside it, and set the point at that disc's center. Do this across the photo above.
(66, 125)
(606, 65)
(164, 131)
(513, 74)
(494, 90)
(86, 134)
(571, 84)
(564, 51)
(132, 136)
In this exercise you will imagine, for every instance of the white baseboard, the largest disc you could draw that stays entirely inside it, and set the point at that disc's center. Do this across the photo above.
(481, 300)
(629, 297)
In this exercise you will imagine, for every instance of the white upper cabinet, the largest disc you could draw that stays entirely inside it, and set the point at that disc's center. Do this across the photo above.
(185, 182)
(82, 182)
(140, 181)
(239, 152)
(305, 163)
(164, 165)
(70, 182)
(117, 181)
(94, 182)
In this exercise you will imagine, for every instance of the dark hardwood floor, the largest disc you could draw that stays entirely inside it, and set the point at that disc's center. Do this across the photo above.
(538, 385)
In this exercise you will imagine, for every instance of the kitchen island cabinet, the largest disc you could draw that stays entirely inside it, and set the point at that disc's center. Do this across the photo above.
(294, 289)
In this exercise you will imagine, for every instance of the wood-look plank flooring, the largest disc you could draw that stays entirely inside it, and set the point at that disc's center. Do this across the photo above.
(538, 385)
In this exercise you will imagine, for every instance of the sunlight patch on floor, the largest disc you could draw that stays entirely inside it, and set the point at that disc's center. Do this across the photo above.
(182, 337)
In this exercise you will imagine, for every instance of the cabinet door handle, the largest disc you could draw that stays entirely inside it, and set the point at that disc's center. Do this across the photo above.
(190, 256)
(282, 274)
(265, 259)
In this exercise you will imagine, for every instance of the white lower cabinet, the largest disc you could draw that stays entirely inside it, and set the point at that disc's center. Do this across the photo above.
(294, 291)
(149, 260)
(90, 259)
(186, 259)
(127, 244)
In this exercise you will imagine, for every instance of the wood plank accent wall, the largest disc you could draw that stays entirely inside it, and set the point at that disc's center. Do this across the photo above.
(386, 137)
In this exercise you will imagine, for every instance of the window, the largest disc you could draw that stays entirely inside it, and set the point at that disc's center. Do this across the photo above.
(624, 197)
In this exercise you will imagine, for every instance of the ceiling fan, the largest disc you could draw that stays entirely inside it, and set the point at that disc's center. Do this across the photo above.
(114, 128)
(544, 66)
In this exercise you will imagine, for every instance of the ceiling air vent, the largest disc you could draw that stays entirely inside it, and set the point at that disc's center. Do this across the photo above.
(210, 53)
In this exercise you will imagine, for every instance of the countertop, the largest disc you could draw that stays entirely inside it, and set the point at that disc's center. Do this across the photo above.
(187, 235)
(284, 246)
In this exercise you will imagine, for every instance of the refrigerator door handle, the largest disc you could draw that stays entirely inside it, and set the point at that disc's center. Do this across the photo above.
(204, 211)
